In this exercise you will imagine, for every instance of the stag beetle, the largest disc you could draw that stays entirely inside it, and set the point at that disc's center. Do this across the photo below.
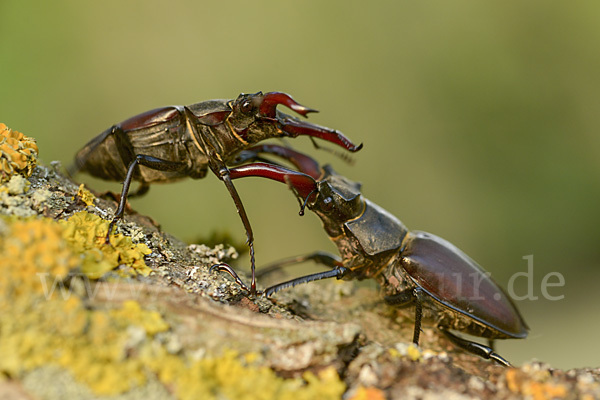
(169, 143)
(412, 268)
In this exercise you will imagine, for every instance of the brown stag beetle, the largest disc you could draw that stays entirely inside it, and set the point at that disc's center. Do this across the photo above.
(169, 143)
(417, 269)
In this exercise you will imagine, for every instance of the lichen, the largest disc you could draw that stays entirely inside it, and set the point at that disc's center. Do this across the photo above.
(85, 195)
(32, 248)
(19, 198)
(411, 351)
(17, 184)
(36, 255)
(45, 322)
(534, 384)
(228, 376)
(42, 322)
(18, 153)
(13, 198)
(367, 393)
(86, 233)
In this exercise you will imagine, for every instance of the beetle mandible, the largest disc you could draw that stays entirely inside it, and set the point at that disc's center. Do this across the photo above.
(174, 142)
(412, 268)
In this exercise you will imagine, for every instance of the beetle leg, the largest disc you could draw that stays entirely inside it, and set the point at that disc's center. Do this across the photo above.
(401, 299)
(475, 348)
(147, 161)
(406, 298)
(319, 257)
(418, 293)
(305, 186)
(338, 273)
(225, 176)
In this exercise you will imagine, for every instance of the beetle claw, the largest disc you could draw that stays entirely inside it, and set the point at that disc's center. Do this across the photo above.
(292, 127)
(500, 360)
(224, 267)
(296, 128)
(272, 99)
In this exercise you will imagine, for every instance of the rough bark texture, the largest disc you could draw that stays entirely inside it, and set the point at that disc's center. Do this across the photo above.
(300, 334)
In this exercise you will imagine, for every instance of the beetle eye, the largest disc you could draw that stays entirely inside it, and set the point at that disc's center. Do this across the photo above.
(247, 106)
(327, 203)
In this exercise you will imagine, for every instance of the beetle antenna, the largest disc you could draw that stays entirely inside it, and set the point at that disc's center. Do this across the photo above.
(303, 205)
(346, 157)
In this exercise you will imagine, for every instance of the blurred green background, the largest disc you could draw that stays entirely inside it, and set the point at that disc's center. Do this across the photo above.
(479, 119)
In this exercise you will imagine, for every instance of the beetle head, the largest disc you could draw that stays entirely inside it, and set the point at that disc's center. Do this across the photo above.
(255, 117)
(337, 200)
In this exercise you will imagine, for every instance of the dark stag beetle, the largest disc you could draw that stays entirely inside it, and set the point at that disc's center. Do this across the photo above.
(413, 268)
(169, 143)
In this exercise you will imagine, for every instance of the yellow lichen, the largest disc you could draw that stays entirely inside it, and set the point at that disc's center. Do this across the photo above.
(326, 384)
(533, 385)
(411, 351)
(150, 321)
(43, 322)
(86, 233)
(35, 244)
(228, 377)
(92, 345)
(18, 153)
(368, 393)
(394, 353)
(544, 391)
(33, 251)
(85, 195)
(414, 353)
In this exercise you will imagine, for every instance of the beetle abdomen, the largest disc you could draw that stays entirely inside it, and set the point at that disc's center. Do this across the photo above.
(457, 282)
(101, 158)
(158, 133)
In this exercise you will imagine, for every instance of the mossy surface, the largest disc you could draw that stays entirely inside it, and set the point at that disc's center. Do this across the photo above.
(112, 350)
(142, 317)
(48, 321)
